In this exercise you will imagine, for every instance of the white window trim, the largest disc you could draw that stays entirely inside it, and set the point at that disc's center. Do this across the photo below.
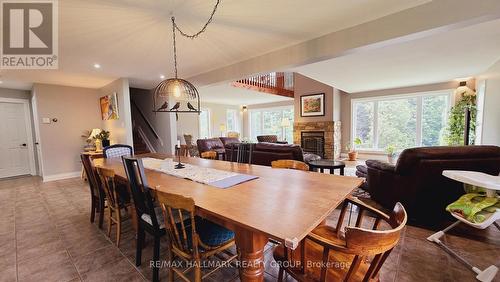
(209, 117)
(235, 120)
(418, 95)
(261, 123)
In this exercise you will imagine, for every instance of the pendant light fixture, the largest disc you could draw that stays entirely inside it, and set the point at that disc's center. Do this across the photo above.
(176, 94)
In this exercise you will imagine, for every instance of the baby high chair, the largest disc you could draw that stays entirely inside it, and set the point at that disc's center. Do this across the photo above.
(488, 183)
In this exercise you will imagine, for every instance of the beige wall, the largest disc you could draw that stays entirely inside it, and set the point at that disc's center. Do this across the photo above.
(189, 123)
(303, 86)
(121, 128)
(346, 98)
(76, 110)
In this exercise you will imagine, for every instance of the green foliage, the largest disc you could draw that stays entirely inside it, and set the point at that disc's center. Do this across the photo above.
(456, 122)
(391, 150)
(104, 135)
(357, 141)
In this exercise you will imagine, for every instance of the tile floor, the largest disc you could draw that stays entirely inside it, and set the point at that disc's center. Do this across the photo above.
(46, 235)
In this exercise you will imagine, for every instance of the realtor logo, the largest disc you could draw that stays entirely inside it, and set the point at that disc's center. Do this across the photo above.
(29, 34)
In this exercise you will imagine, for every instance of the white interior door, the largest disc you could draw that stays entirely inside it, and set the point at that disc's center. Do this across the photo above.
(14, 142)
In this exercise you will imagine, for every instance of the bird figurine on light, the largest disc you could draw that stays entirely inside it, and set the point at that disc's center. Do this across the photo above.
(176, 106)
(163, 107)
(191, 108)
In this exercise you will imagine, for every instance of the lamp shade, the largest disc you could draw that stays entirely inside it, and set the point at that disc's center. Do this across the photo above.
(94, 133)
(285, 122)
(222, 127)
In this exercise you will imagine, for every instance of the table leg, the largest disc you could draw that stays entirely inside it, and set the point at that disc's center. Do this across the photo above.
(341, 171)
(321, 170)
(332, 171)
(251, 248)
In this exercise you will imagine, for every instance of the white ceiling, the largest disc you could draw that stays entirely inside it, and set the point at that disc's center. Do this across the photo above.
(455, 54)
(230, 95)
(131, 38)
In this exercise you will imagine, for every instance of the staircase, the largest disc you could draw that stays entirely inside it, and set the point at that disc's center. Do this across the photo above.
(140, 146)
(277, 83)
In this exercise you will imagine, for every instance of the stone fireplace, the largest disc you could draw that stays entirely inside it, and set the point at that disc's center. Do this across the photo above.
(310, 135)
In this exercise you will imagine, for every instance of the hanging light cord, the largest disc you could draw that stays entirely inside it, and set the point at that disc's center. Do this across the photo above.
(191, 36)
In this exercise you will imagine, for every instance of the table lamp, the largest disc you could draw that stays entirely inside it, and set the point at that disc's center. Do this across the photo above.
(222, 128)
(97, 142)
(285, 122)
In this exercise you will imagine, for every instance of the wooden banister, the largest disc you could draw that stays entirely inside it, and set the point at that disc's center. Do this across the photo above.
(277, 83)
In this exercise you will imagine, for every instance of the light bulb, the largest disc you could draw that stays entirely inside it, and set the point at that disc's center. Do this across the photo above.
(177, 91)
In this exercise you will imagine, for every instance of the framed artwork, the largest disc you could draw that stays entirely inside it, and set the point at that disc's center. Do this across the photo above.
(312, 105)
(109, 107)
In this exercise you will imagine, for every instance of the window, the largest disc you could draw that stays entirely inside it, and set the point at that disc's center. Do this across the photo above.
(403, 122)
(231, 120)
(204, 120)
(269, 122)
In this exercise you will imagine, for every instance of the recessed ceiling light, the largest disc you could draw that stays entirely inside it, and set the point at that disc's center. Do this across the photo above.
(97, 66)
(162, 76)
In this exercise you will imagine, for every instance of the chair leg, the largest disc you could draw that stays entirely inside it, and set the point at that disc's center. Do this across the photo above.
(110, 221)
(197, 271)
(93, 209)
(280, 274)
(101, 212)
(139, 243)
(156, 258)
(118, 227)
(170, 260)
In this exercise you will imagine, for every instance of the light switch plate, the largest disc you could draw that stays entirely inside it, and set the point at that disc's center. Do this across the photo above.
(45, 120)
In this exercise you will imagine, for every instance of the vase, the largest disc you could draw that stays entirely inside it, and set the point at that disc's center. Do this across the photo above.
(352, 156)
(105, 143)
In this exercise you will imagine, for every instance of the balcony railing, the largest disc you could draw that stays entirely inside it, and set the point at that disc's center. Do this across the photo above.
(278, 83)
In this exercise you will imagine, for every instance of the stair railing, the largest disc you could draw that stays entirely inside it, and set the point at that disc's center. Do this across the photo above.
(148, 125)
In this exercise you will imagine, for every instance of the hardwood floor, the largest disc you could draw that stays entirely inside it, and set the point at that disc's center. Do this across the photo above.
(46, 235)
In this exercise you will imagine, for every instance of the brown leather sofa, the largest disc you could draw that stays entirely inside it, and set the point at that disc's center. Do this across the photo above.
(417, 181)
(265, 153)
(211, 144)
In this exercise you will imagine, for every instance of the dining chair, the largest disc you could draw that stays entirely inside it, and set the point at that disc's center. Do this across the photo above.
(97, 195)
(117, 150)
(291, 164)
(115, 202)
(192, 238)
(209, 155)
(328, 254)
(149, 217)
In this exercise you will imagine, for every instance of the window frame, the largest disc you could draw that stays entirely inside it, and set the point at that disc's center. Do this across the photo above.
(261, 122)
(418, 95)
(209, 115)
(234, 113)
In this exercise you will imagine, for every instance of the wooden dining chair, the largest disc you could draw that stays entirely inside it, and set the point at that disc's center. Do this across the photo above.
(291, 164)
(97, 195)
(328, 254)
(150, 219)
(192, 238)
(209, 155)
(117, 151)
(115, 202)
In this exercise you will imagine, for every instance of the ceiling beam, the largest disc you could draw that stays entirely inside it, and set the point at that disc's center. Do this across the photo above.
(428, 19)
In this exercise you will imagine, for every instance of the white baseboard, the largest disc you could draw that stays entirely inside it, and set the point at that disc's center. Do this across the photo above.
(54, 177)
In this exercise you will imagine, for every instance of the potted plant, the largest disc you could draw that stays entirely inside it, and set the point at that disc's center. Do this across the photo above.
(351, 150)
(104, 137)
(391, 153)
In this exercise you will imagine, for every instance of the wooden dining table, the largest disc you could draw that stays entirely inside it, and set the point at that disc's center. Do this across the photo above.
(281, 204)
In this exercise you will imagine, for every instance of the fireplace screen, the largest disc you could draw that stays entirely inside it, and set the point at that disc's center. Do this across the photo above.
(313, 142)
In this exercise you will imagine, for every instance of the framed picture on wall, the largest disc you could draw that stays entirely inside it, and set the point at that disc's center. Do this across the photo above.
(312, 105)
(109, 107)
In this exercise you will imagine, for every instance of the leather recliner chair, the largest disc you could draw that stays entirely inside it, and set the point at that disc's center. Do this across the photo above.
(417, 181)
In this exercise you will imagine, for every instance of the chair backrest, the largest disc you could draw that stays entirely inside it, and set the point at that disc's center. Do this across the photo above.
(188, 138)
(107, 178)
(179, 214)
(267, 138)
(291, 164)
(209, 155)
(117, 150)
(91, 175)
(210, 144)
(141, 193)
